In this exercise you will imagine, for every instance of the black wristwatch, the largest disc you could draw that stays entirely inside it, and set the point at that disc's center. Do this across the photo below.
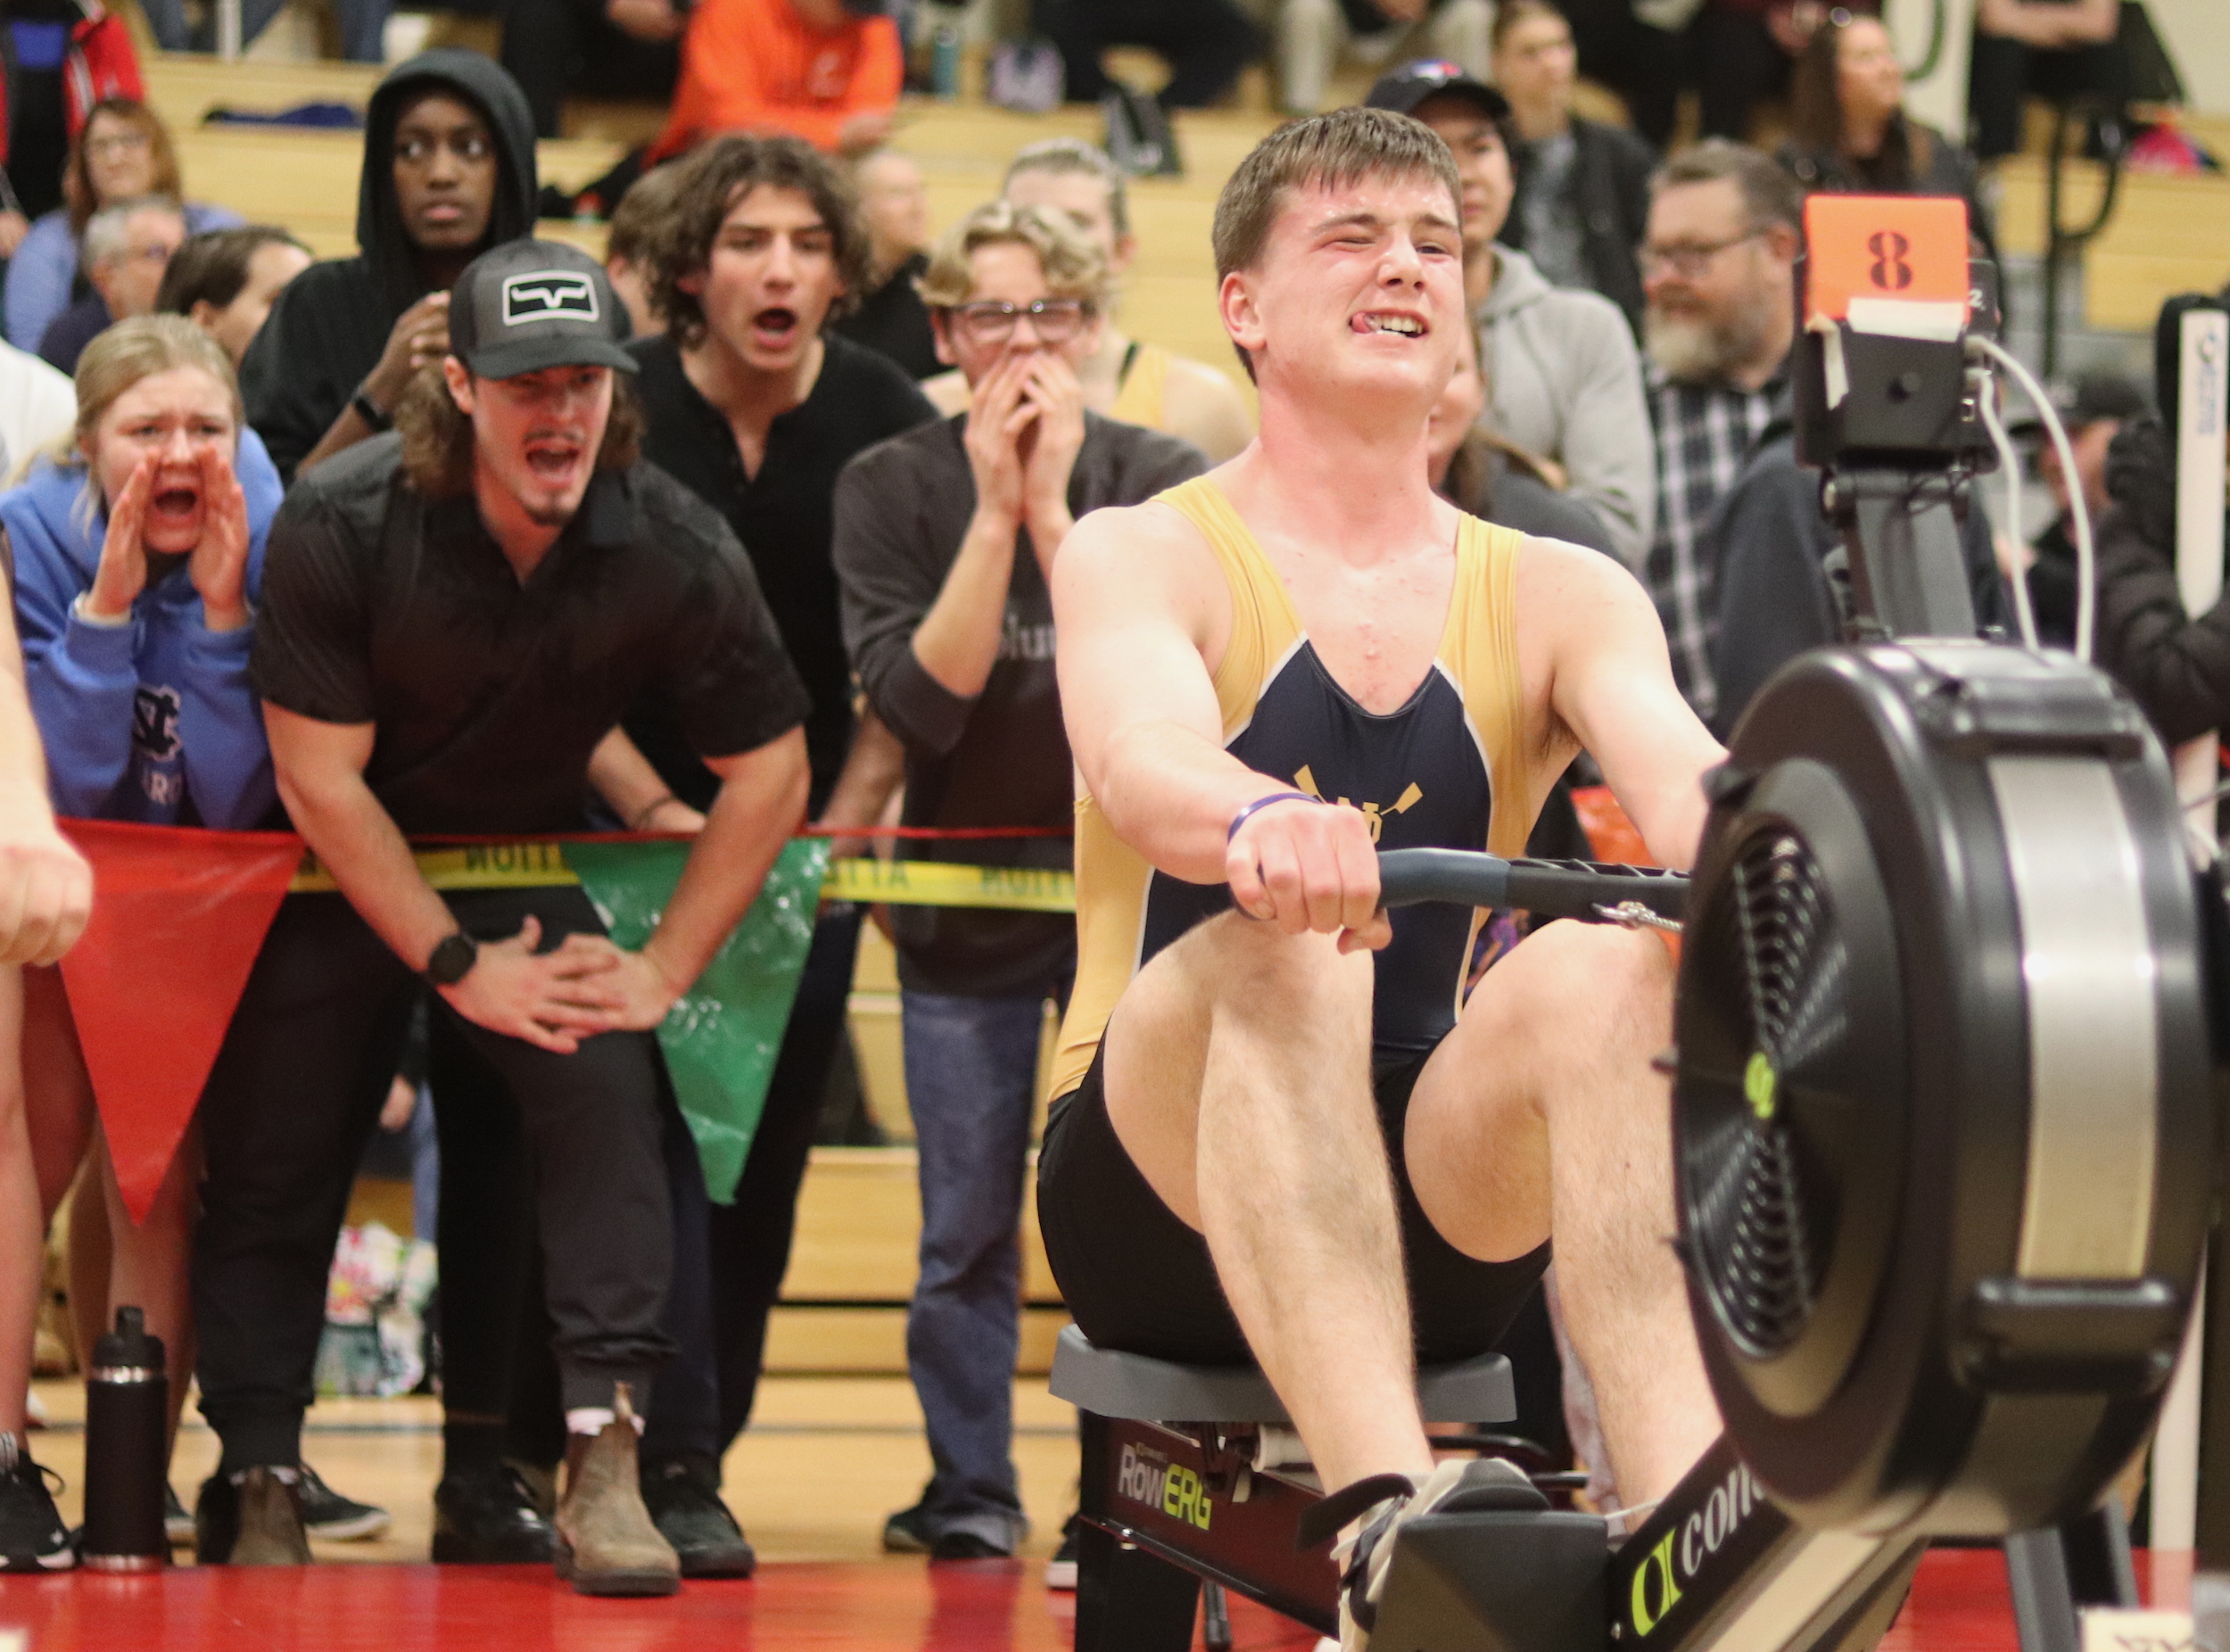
(369, 410)
(452, 958)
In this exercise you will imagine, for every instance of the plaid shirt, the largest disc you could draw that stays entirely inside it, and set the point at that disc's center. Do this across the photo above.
(1705, 435)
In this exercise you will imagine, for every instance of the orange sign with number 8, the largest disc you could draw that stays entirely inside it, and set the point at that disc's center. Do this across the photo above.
(1901, 247)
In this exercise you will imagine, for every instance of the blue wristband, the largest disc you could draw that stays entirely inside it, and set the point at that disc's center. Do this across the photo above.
(1243, 815)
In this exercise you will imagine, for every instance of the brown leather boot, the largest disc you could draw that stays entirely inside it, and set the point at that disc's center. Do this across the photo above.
(607, 1544)
(270, 1514)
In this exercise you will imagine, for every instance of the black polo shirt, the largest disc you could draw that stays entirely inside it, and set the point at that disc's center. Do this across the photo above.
(489, 694)
(785, 516)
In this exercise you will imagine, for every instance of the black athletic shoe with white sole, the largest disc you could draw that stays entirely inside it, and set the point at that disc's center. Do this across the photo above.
(177, 1526)
(1060, 1571)
(334, 1518)
(32, 1537)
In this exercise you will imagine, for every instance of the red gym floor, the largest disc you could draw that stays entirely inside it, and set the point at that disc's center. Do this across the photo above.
(1958, 1605)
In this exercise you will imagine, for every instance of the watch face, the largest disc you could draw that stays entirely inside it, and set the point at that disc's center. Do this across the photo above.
(450, 960)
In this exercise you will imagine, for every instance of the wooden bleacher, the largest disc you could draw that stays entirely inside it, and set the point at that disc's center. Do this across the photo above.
(2168, 234)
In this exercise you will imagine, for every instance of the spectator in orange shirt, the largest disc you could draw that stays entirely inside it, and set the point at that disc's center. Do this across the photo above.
(826, 71)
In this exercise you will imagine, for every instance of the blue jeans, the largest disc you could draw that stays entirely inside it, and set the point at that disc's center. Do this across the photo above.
(971, 1069)
(363, 26)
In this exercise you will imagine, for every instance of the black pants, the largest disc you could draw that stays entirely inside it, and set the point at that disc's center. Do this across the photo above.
(1640, 63)
(1207, 42)
(705, 1397)
(555, 46)
(2001, 74)
(500, 1391)
(293, 1095)
(1734, 63)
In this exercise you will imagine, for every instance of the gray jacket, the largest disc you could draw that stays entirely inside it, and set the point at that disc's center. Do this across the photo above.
(1566, 383)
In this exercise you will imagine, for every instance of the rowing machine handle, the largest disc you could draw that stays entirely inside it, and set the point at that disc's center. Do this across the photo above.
(1552, 888)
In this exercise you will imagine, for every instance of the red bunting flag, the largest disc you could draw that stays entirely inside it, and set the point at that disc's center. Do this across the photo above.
(179, 916)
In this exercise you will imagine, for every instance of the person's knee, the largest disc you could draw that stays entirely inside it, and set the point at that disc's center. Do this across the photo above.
(1245, 970)
(1312, 23)
(1599, 979)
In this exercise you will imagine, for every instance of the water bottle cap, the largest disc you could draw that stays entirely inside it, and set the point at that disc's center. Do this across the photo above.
(129, 1344)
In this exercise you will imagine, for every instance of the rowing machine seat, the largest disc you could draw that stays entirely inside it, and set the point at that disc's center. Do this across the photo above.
(1109, 1383)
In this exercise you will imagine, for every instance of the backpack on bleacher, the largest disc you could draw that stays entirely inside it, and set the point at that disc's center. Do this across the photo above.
(1138, 135)
(1026, 76)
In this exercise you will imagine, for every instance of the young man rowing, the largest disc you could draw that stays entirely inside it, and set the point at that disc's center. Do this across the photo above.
(1269, 674)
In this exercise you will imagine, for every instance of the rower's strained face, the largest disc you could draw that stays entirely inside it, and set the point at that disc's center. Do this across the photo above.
(1359, 288)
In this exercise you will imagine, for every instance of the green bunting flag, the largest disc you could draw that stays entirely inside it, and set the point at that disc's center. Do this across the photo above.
(720, 1039)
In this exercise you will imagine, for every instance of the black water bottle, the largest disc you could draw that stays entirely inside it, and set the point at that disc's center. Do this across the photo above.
(126, 1450)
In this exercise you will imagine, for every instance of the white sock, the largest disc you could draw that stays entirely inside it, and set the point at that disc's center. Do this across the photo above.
(593, 1419)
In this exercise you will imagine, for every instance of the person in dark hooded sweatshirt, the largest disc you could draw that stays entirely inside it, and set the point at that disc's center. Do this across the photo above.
(449, 172)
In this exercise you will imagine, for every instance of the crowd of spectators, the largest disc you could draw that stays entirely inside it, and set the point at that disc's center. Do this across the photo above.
(751, 525)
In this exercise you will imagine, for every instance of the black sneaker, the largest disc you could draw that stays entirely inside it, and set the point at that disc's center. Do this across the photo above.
(32, 1537)
(917, 1532)
(908, 1533)
(682, 1495)
(338, 1519)
(488, 1516)
(1060, 1571)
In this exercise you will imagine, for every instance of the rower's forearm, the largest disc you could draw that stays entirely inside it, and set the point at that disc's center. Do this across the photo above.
(752, 818)
(1170, 794)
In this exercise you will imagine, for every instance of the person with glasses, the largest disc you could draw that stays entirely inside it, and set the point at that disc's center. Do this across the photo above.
(755, 406)
(1716, 267)
(946, 539)
(123, 151)
(449, 171)
(128, 246)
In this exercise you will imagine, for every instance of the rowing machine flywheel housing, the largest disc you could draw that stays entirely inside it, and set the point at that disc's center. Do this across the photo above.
(1942, 1119)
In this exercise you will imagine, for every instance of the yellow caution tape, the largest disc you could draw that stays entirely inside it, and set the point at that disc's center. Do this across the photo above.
(896, 883)
(478, 866)
(943, 883)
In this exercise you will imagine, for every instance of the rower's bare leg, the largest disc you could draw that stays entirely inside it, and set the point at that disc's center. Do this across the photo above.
(1540, 1113)
(1237, 1071)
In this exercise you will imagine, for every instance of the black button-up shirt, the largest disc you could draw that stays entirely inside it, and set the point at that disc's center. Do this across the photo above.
(784, 515)
(489, 693)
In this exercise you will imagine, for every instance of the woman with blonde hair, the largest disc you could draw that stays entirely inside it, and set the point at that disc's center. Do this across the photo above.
(136, 553)
(122, 153)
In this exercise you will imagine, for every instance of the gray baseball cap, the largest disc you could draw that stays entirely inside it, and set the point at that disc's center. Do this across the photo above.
(527, 305)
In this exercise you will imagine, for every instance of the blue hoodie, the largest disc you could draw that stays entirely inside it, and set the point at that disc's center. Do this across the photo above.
(151, 720)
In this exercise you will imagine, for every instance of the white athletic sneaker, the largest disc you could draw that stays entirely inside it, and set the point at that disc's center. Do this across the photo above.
(1365, 1551)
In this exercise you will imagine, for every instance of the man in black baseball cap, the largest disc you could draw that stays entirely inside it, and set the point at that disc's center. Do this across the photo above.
(454, 616)
(1403, 89)
(1562, 385)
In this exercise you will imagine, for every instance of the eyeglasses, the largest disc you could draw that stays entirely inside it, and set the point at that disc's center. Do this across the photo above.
(419, 149)
(116, 144)
(1056, 320)
(1690, 258)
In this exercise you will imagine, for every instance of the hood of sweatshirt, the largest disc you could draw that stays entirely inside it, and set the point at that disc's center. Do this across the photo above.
(1519, 283)
(482, 82)
(2141, 479)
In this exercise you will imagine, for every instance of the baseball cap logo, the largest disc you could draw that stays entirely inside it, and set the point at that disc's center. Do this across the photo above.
(548, 295)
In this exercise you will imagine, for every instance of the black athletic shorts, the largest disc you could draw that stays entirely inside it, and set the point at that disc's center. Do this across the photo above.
(1136, 1278)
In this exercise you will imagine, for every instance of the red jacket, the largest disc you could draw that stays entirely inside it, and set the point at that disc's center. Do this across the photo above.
(100, 62)
(753, 66)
